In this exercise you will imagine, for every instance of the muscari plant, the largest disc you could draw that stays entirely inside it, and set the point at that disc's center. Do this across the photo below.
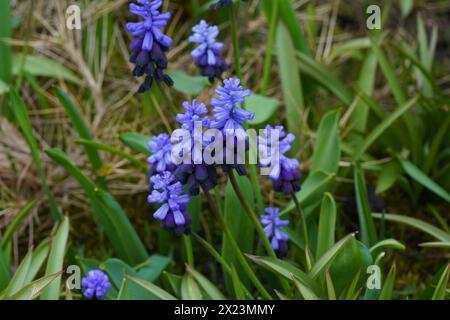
(313, 266)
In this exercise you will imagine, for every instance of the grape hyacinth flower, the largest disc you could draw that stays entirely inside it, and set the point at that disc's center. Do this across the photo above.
(161, 159)
(148, 50)
(284, 172)
(227, 114)
(95, 285)
(278, 239)
(196, 174)
(207, 54)
(169, 192)
(228, 117)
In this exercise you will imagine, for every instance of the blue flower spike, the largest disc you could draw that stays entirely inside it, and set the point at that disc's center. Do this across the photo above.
(95, 285)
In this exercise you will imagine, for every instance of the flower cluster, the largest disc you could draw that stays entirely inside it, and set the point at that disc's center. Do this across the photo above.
(272, 228)
(229, 118)
(169, 174)
(196, 173)
(148, 50)
(284, 174)
(172, 213)
(207, 54)
(95, 285)
(161, 158)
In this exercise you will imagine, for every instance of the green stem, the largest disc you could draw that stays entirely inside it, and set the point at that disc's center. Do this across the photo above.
(234, 35)
(270, 45)
(252, 215)
(254, 218)
(302, 221)
(188, 246)
(167, 98)
(195, 8)
(236, 249)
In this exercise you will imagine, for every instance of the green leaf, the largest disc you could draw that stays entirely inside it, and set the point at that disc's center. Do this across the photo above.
(36, 288)
(190, 289)
(55, 260)
(436, 244)
(80, 126)
(153, 289)
(5, 272)
(39, 256)
(416, 223)
(284, 269)
(354, 258)
(330, 286)
(387, 243)
(21, 115)
(108, 213)
(313, 69)
(327, 258)
(366, 83)
(383, 126)
(18, 280)
(151, 269)
(188, 84)
(5, 49)
(239, 289)
(209, 288)
(441, 288)
(406, 7)
(312, 190)
(42, 66)
(389, 174)
(400, 97)
(305, 291)
(424, 180)
(173, 281)
(239, 224)
(368, 232)
(263, 107)
(289, 17)
(327, 224)
(3, 87)
(15, 224)
(113, 150)
(388, 287)
(290, 82)
(136, 142)
(348, 47)
(327, 151)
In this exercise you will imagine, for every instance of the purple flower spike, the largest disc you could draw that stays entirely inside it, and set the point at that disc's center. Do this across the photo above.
(95, 285)
(207, 54)
(172, 214)
(195, 112)
(227, 114)
(284, 171)
(149, 47)
(161, 159)
(272, 228)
